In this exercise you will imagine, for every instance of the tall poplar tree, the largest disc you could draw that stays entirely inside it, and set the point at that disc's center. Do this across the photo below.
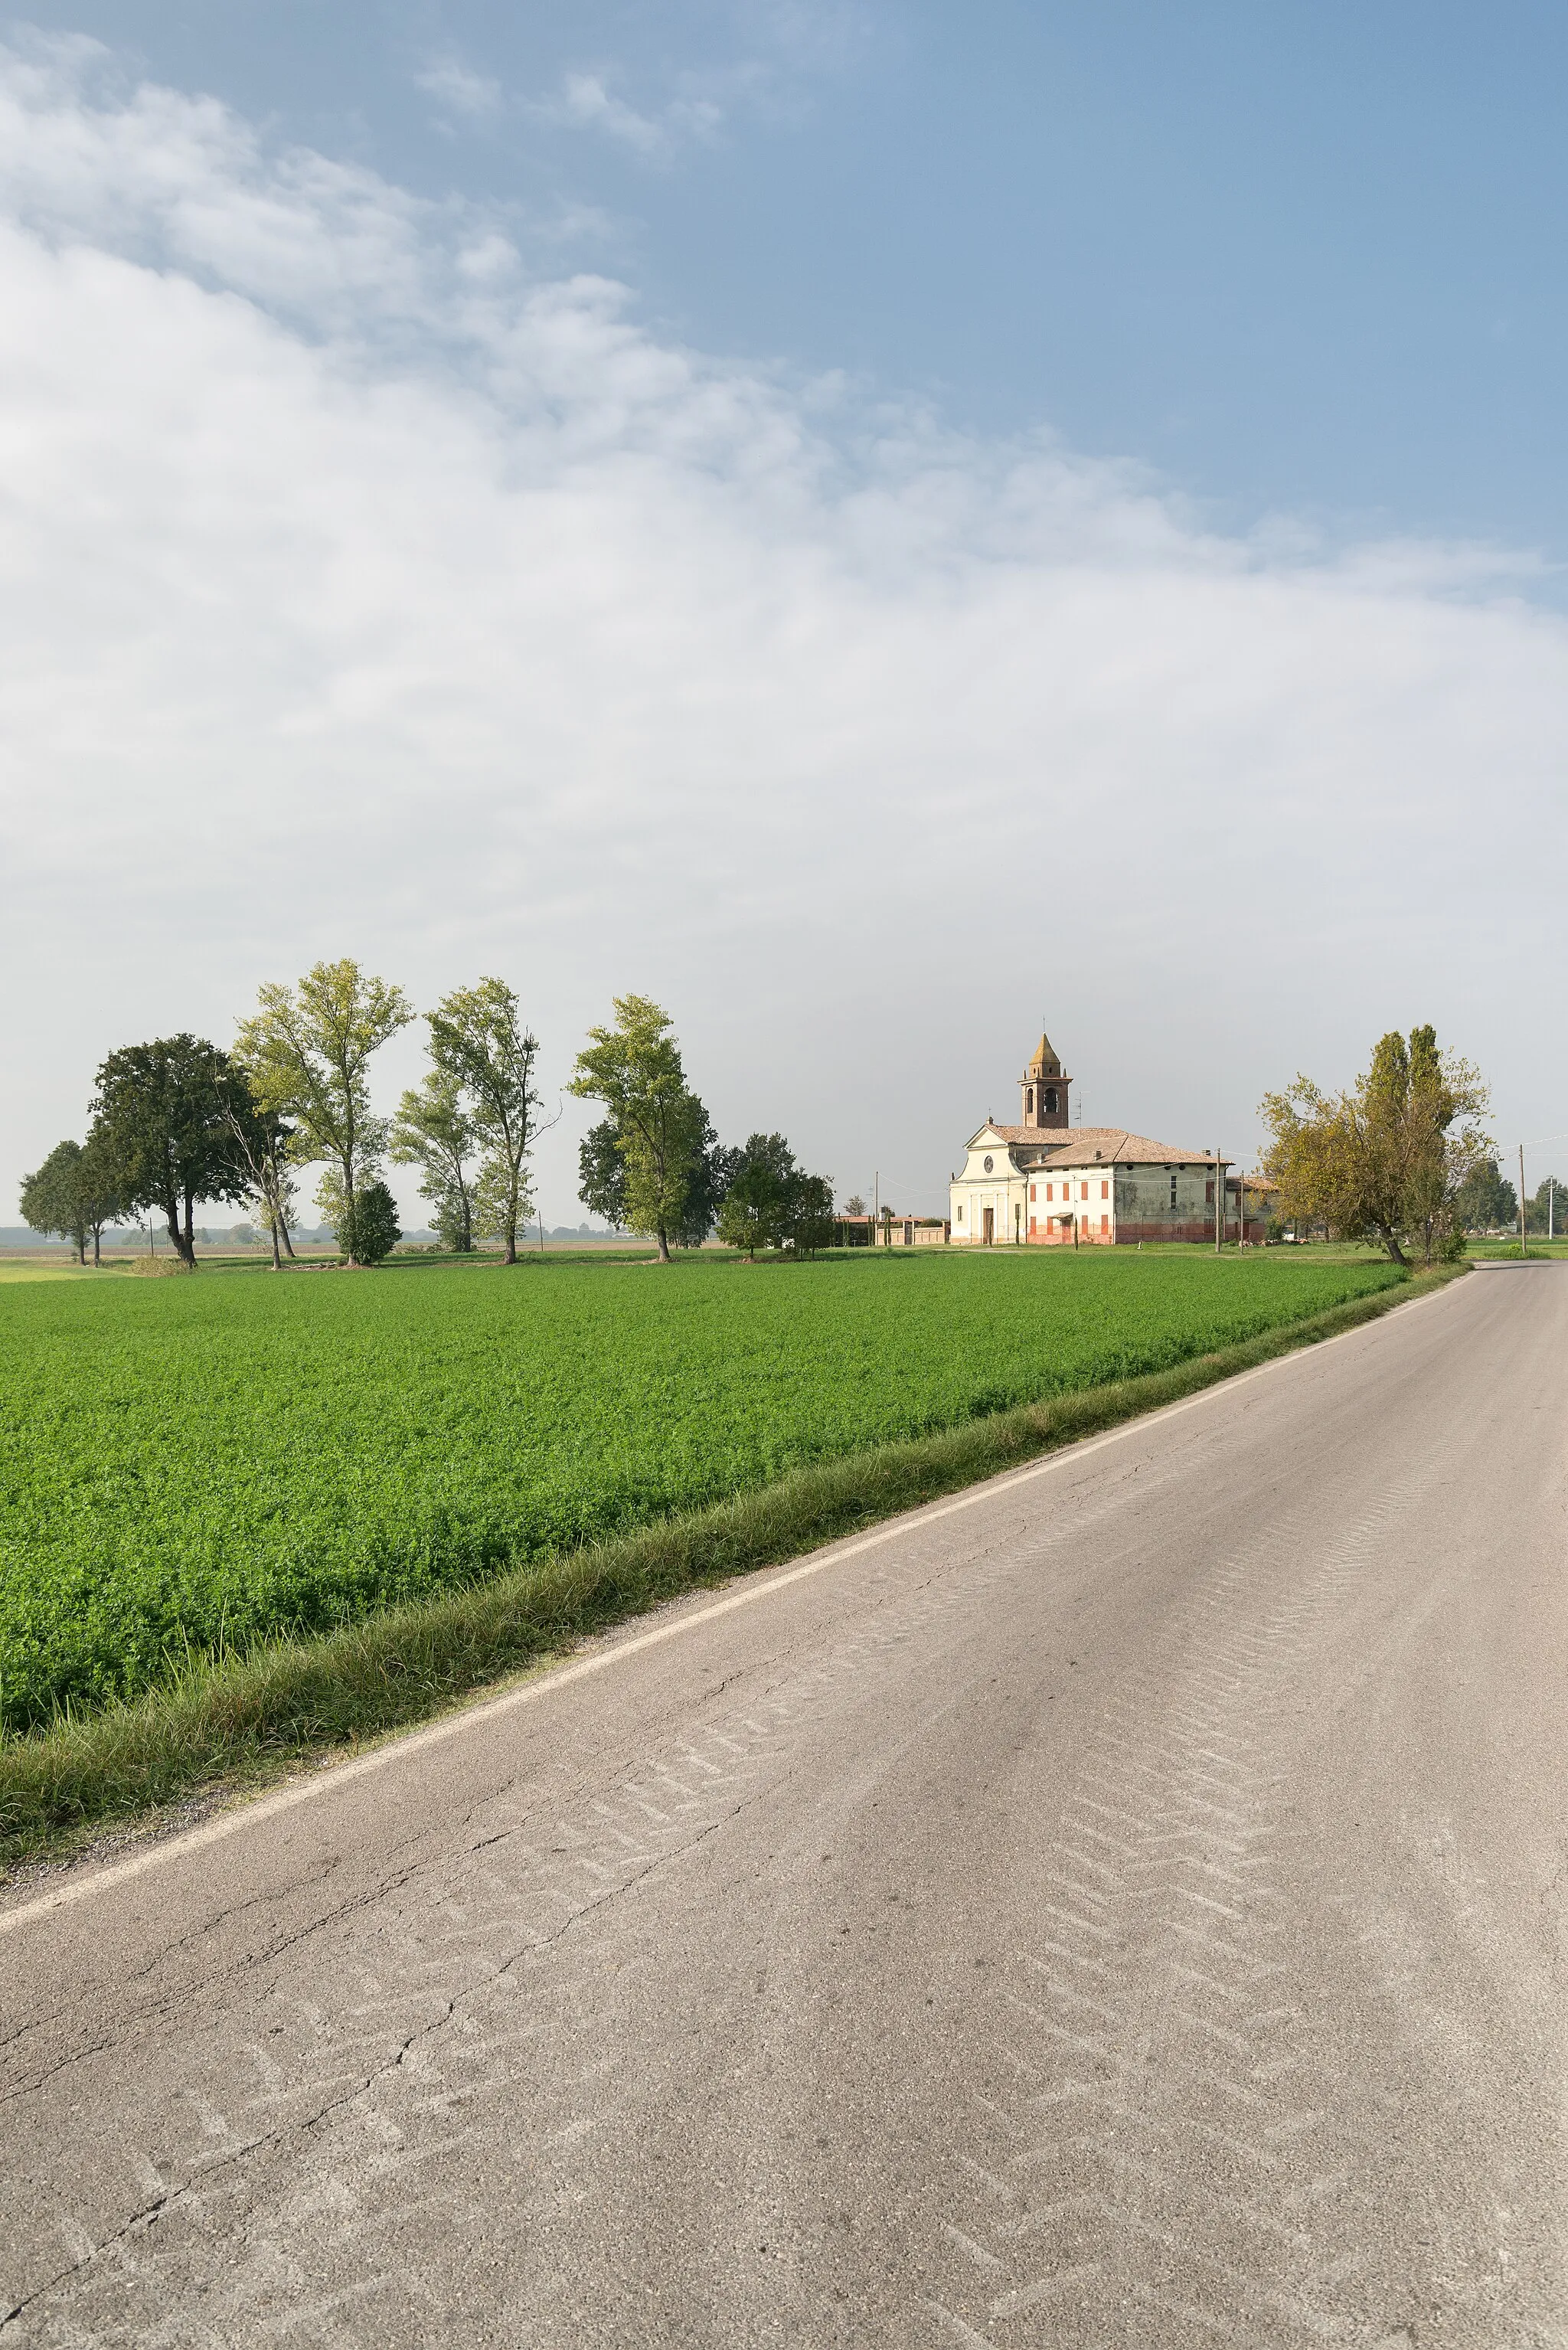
(480, 1043)
(433, 1131)
(1388, 1160)
(307, 1051)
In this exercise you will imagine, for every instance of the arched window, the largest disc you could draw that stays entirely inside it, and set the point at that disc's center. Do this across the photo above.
(1050, 1098)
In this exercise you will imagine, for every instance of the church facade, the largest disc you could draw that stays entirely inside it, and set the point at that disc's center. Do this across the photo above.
(1046, 1183)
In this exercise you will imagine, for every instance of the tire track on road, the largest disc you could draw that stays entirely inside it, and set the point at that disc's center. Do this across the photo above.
(1165, 2161)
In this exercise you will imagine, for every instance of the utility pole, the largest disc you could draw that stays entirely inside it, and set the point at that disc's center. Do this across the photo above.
(876, 1203)
(1219, 1201)
(1523, 1250)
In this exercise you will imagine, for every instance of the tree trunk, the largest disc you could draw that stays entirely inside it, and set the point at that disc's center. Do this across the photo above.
(186, 1241)
(347, 1241)
(97, 1237)
(664, 1245)
(276, 1260)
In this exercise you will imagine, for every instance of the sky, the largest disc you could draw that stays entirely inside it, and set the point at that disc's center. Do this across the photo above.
(879, 526)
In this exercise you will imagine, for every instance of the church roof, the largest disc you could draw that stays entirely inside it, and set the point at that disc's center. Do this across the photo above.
(1096, 1146)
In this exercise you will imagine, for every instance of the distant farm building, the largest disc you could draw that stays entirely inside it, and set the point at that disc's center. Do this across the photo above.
(1045, 1184)
(889, 1231)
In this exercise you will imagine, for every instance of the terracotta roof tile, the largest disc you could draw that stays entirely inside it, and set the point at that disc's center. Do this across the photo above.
(1100, 1146)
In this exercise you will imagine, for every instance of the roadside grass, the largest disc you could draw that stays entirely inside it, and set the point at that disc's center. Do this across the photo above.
(1501, 1252)
(228, 1722)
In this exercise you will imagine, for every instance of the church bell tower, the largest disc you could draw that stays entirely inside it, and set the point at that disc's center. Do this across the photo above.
(1044, 1089)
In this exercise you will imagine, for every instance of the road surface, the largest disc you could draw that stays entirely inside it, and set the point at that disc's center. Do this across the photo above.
(1119, 1909)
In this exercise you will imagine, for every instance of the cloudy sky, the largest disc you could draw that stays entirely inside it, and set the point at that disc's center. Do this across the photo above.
(874, 525)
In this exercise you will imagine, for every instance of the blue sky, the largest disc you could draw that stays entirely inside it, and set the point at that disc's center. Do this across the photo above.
(1308, 260)
(873, 526)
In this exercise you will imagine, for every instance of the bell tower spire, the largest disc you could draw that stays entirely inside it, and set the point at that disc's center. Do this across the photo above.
(1043, 1088)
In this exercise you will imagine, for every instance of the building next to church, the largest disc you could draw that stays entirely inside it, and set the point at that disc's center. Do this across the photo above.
(1049, 1183)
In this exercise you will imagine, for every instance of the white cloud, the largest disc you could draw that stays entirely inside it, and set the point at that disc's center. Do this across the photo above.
(585, 101)
(459, 89)
(360, 593)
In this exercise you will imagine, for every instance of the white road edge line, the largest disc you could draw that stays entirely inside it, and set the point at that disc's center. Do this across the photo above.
(760, 1584)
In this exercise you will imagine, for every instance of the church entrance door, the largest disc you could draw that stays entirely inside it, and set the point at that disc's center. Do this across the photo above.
(989, 1214)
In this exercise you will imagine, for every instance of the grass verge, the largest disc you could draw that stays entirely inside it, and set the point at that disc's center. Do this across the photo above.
(237, 1719)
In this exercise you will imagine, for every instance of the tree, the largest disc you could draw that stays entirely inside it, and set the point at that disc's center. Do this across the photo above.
(635, 1069)
(601, 1173)
(307, 1051)
(479, 1044)
(371, 1231)
(1486, 1201)
(712, 1171)
(755, 1208)
(772, 1202)
(1387, 1161)
(262, 1139)
(166, 1116)
(101, 1193)
(855, 1205)
(601, 1179)
(276, 1191)
(1544, 1210)
(52, 1198)
(433, 1132)
(809, 1223)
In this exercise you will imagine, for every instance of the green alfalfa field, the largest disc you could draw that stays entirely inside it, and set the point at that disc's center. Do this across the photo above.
(205, 1468)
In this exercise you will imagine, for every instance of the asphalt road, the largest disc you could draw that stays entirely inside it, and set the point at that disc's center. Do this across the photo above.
(1119, 1909)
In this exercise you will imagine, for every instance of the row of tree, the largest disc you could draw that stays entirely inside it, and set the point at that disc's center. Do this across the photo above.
(1401, 1159)
(180, 1120)
(1488, 1202)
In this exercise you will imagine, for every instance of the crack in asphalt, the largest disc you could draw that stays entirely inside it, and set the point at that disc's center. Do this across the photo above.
(304, 2127)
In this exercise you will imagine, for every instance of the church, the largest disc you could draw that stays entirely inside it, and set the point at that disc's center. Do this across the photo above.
(1047, 1183)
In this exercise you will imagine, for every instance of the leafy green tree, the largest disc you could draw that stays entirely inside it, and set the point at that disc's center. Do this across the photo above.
(712, 1171)
(1486, 1201)
(102, 1194)
(772, 1203)
(1543, 1210)
(635, 1069)
(307, 1051)
(52, 1198)
(601, 1179)
(433, 1131)
(756, 1208)
(479, 1042)
(1388, 1161)
(371, 1232)
(164, 1134)
(809, 1223)
(601, 1173)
